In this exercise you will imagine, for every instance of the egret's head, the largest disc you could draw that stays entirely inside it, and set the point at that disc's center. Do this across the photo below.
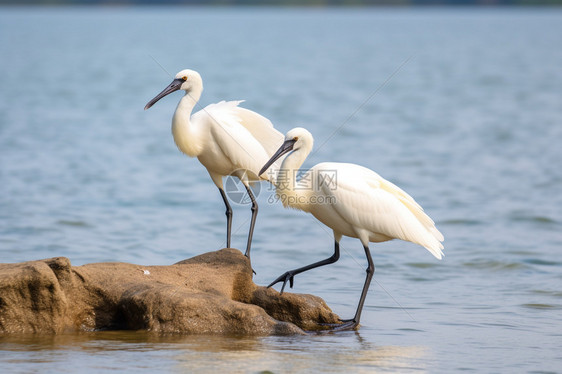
(299, 138)
(296, 139)
(187, 80)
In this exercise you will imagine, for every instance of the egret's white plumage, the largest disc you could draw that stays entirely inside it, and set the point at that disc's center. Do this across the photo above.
(225, 138)
(370, 208)
(353, 201)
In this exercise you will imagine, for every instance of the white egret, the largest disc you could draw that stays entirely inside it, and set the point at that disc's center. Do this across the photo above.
(353, 201)
(227, 139)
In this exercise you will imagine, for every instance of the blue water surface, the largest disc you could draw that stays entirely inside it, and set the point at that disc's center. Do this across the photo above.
(461, 108)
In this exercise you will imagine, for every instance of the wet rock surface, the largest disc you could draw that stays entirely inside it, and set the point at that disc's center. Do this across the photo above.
(212, 293)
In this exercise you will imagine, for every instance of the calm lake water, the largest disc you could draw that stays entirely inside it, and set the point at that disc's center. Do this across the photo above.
(462, 108)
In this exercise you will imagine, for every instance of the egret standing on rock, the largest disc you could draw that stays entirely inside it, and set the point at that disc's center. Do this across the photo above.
(227, 139)
(353, 201)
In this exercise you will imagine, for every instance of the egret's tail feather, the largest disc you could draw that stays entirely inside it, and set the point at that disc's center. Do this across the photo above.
(433, 243)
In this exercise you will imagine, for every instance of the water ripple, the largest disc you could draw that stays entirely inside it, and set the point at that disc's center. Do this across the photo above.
(538, 261)
(73, 223)
(541, 306)
(533, 219)
(461, 221)
(488, 264)
(423, 265)
(556, 293)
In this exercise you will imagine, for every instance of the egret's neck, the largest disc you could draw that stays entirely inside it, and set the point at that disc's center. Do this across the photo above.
(188, 102)
(287, 185)
(187, 136)
(294, 160)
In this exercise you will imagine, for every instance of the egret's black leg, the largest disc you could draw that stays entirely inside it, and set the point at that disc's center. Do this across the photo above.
(354, 322)
(253, 220)
(228, 217)
(288, 276)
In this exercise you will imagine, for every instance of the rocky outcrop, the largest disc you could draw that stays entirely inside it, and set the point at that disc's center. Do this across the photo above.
(208, 294)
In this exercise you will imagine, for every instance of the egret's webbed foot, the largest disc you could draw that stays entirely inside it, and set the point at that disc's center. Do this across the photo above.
(287, 277)
(347, 324)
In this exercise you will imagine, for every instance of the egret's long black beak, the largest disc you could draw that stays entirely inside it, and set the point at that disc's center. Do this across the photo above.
(172, 87)
(286, 147)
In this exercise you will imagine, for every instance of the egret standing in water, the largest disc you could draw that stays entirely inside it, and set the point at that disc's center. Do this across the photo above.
(227, 139)
(353, 201)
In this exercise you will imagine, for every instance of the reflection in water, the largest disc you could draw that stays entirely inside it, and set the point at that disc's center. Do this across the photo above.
(318, 353)
(308, 354)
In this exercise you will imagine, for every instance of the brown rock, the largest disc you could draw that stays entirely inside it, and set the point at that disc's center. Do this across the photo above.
(208, 294)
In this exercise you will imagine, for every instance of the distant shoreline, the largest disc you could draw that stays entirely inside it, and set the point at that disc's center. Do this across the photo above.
(292, 3)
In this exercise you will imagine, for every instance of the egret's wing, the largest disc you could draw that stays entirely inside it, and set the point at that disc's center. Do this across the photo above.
(261, 128)
(412, 205)
(371, 203)
(237, 143)
(263, 131)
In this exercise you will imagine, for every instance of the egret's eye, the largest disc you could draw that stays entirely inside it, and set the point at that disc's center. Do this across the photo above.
(184, 78)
